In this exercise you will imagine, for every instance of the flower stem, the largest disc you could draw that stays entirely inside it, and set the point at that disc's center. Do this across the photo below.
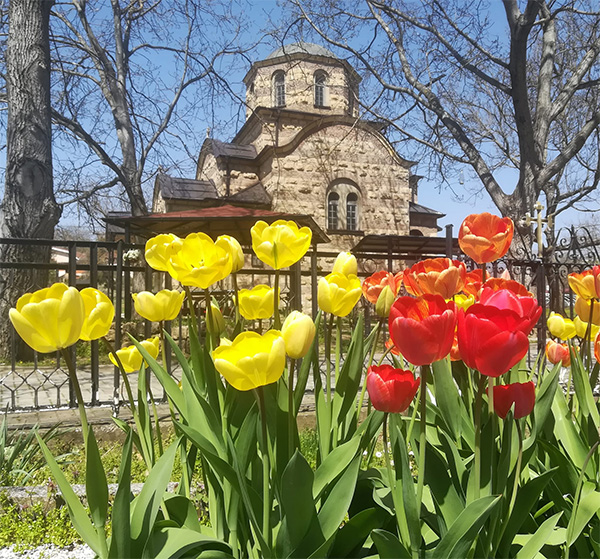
(398, 503)
(338, 351)
(65, 352)
(477, 457)
(422, 434)
(277, 323)
(236, 295)
(328, 329)
(266, 467)
(291, 408)
(371, 357)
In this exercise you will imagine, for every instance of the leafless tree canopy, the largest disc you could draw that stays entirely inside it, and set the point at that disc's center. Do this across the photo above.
(516, 86)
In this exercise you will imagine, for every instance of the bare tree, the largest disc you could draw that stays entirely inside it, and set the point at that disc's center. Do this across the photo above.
(130, 81)
(516, 88)
(29, 209)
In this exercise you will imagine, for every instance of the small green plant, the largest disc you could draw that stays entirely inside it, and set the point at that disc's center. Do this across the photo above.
(20, 455)
(33, 524)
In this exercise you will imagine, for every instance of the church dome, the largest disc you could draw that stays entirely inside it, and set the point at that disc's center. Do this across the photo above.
(301, 47)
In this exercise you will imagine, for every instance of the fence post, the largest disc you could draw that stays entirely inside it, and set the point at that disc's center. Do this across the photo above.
(541, 293)
(118, 313)
(449, 243)
(94, 357)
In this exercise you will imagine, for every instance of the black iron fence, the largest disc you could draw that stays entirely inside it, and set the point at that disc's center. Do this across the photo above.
(40, 381)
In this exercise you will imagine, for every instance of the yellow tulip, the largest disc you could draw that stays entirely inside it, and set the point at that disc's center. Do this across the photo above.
(463, 301)
(50, 318)
(200, 262)
(99, 314)
(298, 333)
(583, 309)
(234, 248)
(130, 356)
(165, 305)
(159, 250)
(581, 328)
(561, 327)
(338, 294)
(346, 264)
(257, 303)
(280, 244)
(251, 360)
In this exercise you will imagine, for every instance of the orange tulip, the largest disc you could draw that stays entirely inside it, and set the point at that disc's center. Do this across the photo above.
(597, 348)
(485, 237)
(587, 283)
(374, 284)
(558, 353)
(512, 285)
(435, 276)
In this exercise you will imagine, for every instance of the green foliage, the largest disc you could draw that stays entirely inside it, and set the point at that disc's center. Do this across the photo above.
(35, 524)
(20, 456)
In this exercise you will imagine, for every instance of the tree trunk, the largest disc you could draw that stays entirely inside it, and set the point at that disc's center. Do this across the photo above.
(29, 209)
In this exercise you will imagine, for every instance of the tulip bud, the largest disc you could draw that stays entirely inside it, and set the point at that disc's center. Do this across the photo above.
(215, 323)
(298, 332)
(587, 310)
(130, 356)
(558, 353)
(384, 302)
(345, 264)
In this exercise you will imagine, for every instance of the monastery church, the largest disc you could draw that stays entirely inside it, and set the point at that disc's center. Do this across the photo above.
(304, 150)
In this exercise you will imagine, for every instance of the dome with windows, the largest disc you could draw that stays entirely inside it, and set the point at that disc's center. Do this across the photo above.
(303, 48)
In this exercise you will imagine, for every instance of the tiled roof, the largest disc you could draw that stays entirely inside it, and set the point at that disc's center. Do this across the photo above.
(186, 189)
(301, 47)
(255, 194)
(225, 149)
(418, 209)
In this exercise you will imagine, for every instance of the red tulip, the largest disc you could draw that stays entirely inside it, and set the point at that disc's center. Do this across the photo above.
(485, 237)
(423, 328)
(391, 390)
(558, 353)
(436, 276)
(526, 308)
(522, 395)
(491, 339)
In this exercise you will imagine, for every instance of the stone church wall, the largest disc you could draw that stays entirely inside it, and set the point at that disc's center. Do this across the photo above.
(299, 182)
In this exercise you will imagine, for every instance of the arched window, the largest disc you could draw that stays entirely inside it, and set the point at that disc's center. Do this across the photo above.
(279, 89)
(321, 92)
(352, 212)
(333, 210)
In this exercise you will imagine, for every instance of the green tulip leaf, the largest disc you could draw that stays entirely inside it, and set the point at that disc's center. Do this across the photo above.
(173, 542)
(541, 538)
(463, 532)
(79, 517)
(296, 502)
(171, 387)
(566, 432)
(120, 543)
(583, 390)
(144, 507)
(96, 486)
(333, 465)
(353, 534)
(447, 396)
(388, 546)
(528, 495)
(588, 506)
(304, 369)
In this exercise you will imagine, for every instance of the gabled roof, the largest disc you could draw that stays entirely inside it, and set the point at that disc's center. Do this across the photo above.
(226, 149)
(255, 194)
(185, 189)
(413, 207)
(214, 221)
